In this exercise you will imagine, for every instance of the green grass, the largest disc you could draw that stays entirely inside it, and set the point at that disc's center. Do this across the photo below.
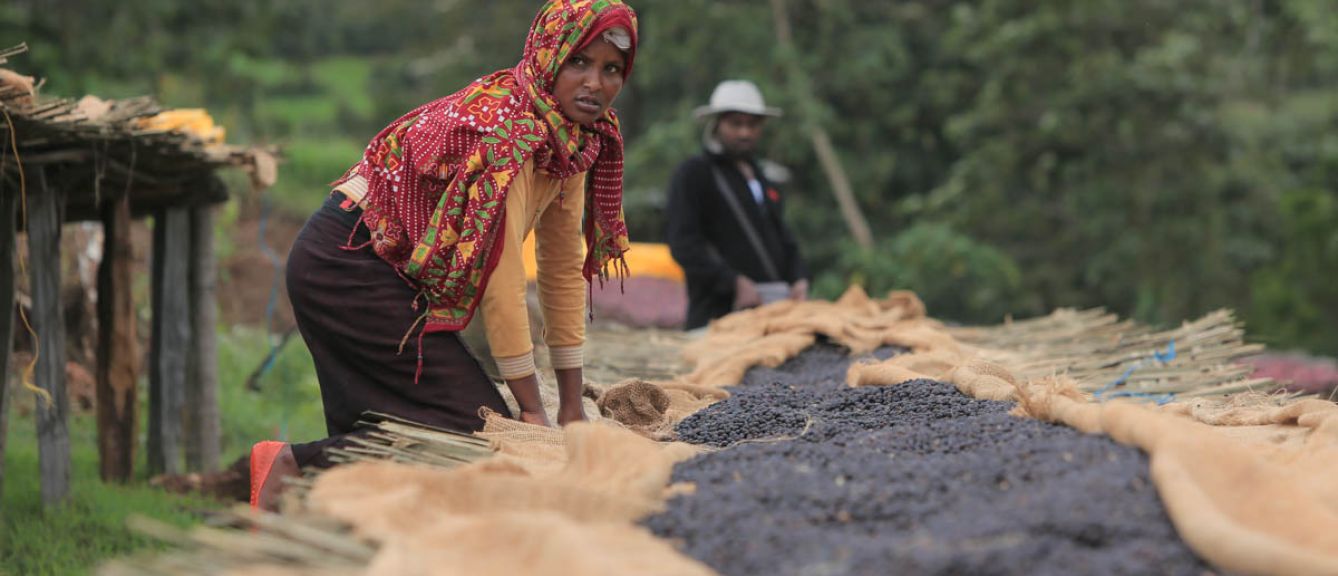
(310, 164)
(347, 79)
(90, 528)
(288, 405)
(297, 114)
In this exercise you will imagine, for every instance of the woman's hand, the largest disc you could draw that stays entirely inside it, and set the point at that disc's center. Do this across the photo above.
(536, 418)
(569, 414)
(526, 392)
(570, 384)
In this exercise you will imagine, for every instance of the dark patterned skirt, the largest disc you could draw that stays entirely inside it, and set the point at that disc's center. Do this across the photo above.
(353, 311)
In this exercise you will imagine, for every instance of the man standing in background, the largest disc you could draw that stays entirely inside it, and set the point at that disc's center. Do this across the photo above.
(725, 225)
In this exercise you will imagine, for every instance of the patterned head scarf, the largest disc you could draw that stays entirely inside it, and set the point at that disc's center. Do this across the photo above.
(438, 177)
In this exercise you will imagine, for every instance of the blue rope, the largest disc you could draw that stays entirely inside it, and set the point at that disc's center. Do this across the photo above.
(1158, 357)
(1159, 399)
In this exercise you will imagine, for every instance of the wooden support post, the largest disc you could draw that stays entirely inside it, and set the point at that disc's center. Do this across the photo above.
(45, 215)
(118, 347)
(171, 338)
(8, 209)
(822, 143)
(202, 414)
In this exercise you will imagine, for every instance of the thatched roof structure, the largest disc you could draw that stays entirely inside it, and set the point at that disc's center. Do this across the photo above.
(105, 148)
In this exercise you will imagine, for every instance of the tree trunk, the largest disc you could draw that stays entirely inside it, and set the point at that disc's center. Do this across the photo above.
(822, 142)
(171, 338)
(202, 414)
(118, 347)
(45, 217)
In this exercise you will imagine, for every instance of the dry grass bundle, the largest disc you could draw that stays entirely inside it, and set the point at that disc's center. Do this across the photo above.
(1099, 351)
(401, 440)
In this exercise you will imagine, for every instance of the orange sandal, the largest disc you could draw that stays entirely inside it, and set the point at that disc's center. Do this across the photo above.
(263, 455)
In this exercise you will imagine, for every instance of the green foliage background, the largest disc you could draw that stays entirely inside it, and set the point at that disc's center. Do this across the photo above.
(1162, 158)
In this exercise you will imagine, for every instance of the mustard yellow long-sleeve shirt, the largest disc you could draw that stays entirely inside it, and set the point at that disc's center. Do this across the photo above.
(552, 209)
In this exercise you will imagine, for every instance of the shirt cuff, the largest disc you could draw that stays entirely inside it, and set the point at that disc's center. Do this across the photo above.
(355, 188)
(567, 357)
(516, 366)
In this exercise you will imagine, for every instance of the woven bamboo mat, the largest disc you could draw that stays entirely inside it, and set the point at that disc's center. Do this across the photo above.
(1110, 356)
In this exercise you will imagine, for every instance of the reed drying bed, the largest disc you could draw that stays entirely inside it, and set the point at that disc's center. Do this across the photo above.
(809, 418)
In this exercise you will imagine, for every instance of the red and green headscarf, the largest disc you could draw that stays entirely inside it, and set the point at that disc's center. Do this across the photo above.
(438, 176)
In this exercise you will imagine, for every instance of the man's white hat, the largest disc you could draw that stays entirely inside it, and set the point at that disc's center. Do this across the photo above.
(737, 96)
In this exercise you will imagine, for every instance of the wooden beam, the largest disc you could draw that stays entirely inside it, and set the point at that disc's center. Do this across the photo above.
(8, 210)
(150, 191)
(55, 157)
(171, 338)
(202, 413)
(45, 208)
(118, 347)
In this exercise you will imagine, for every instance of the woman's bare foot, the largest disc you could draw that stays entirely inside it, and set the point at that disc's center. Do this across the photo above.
(285, 465)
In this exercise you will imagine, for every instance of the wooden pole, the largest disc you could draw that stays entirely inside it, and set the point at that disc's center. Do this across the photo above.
(8, 210)
(46, 213)
(822, 142)
(118, 347)
(202, 413)
(171, 338)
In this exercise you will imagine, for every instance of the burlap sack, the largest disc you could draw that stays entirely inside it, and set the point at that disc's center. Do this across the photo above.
(908, 302)
(534, 543)
(635, 403)
(770, 351)
(267, 570)
(984, 380)
(607, 474)
(652, 409)
(1247, 506)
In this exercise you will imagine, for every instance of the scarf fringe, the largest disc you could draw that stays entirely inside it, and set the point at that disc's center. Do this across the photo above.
(422, 320)
(348, 245)
(619, 265)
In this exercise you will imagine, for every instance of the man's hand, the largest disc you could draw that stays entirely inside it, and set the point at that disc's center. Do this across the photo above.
(799, 291)
(745, 293)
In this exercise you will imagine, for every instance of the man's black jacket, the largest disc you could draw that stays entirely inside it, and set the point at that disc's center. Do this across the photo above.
(707, 241)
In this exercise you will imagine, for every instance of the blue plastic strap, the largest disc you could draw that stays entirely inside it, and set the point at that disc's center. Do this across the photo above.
(1158, 357)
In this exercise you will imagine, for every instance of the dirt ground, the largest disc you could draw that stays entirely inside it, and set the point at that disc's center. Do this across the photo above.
(246, 275)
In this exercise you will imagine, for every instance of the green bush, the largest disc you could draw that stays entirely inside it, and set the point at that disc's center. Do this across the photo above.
(957, 277)
(1295, 301)
(309, 167)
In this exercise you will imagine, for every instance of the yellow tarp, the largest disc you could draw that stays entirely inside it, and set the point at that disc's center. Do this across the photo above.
(194, 121)
(645, 260)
